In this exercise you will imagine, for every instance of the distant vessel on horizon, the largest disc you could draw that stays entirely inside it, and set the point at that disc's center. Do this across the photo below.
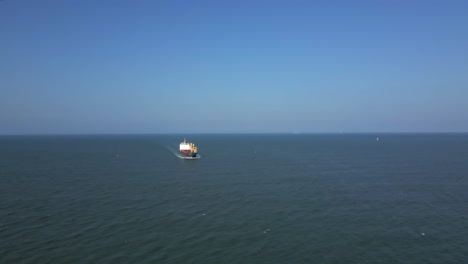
(187, 149)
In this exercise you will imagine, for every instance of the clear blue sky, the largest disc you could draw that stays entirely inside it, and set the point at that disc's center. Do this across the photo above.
(233, 66)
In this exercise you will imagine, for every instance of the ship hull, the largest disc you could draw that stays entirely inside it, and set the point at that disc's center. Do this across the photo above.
(188, 154)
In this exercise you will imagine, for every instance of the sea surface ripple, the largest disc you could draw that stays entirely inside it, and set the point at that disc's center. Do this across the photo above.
(286, 198)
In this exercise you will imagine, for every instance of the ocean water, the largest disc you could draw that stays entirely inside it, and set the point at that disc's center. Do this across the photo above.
(293, 198)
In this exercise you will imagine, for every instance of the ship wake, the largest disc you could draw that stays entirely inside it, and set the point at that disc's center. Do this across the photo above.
(185, 157)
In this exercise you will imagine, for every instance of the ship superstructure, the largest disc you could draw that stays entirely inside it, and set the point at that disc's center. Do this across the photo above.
(188, 149)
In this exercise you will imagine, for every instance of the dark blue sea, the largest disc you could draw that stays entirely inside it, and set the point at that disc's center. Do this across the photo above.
(259, 198)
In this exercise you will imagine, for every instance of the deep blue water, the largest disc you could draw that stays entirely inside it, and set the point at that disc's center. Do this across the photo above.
(249, 199)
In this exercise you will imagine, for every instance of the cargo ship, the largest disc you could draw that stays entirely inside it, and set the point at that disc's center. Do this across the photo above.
(187, 149)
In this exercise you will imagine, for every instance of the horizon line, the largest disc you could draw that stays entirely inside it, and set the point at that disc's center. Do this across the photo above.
(235, 133)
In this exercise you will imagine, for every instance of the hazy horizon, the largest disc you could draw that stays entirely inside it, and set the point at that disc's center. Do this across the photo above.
(375, 133)
(121, 67)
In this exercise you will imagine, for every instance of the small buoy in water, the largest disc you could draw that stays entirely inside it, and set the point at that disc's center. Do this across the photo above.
(377, 139)
(423, 234)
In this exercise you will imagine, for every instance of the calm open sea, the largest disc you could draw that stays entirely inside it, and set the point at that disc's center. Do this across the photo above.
(249, 199)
